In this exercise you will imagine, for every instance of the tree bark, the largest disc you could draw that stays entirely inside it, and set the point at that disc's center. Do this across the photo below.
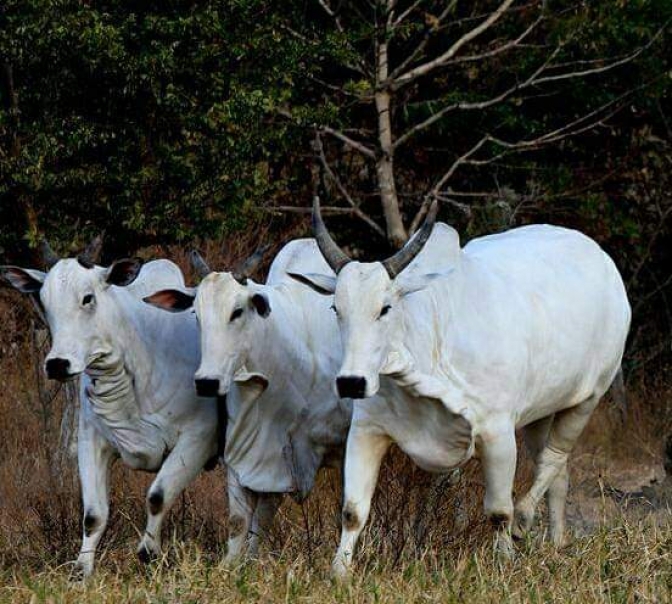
(396, 233)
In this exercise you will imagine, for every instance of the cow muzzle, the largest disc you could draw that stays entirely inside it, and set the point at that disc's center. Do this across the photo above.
(207, 387)
(58, 369)
(351, 386)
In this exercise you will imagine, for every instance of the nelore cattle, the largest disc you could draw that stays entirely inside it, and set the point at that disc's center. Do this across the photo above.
(523, 329)
(137, 395)
(273, 349)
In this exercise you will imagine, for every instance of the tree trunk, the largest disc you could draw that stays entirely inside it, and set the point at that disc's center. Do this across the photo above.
(396, 233)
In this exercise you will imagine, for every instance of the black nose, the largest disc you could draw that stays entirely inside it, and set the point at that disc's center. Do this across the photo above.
(57, 369)
(351, 387)
(207, 387)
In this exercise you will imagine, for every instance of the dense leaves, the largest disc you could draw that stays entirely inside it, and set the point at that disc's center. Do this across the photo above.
(163, 122)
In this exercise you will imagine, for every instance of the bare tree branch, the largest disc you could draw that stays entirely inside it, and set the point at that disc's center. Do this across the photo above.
(500, 49)
(363, 149)
(343, 191)
(534, 80)
(477, 104)
(402, 16)
(425, 68)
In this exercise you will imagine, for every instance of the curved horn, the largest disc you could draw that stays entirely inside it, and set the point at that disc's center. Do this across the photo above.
(48, 255)
(93, 250)
(405, 255)
(245, 269)
(336, 258)
(200, 266)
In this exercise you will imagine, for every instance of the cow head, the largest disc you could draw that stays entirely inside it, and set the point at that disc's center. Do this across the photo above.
(366, 296)
(78, 307)
(227, 306)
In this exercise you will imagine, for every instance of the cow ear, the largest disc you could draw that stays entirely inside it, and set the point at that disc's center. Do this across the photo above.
(26, 280)
(261, 304)
(123, 272)
(322, 284)
(172, 300)
(415, 282)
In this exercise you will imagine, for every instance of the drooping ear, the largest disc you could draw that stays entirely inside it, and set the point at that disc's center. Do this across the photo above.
(172, 300)
(322, 284)
(414, 282)
(261, 304)
(123, 272)
(26, 280)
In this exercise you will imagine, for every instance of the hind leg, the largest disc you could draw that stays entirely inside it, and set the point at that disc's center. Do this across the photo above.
(536, 436)
(552, 465)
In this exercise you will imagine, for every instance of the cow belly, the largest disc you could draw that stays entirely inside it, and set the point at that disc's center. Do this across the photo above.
(433, 437)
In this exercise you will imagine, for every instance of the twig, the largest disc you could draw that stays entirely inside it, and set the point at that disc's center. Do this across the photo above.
(362, 148)
(344, 192)
(425, 68)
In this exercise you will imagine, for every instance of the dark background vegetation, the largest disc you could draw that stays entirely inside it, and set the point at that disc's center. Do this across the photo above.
(170, 124)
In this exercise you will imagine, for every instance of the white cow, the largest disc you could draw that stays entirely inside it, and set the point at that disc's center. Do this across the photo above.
(137, 393)
(274, 350)
(521, 329)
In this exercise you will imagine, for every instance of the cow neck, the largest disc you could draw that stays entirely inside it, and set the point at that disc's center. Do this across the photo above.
(121, 368)
(441, 305)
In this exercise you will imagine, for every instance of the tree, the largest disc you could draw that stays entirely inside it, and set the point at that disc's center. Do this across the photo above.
(403, 73)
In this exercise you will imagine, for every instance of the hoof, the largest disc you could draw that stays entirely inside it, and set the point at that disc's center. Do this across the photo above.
(81, 570)
(148, 550)
(145, 556)
(503, 546)
(522, 522)
(340, 571)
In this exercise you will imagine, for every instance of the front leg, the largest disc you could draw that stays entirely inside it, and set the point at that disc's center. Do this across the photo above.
(267, 507)
(498, 458)
(179, 469)
(242, 505)
(95, 456)
(364, 453)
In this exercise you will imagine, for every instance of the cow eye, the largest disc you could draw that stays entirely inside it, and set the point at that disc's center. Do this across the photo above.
(86, 300)
(236, 313)
(385, 310)
(333, 307)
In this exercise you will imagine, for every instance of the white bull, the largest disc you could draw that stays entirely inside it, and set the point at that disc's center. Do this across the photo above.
(274, 350)
(137, 393)
(521, 329)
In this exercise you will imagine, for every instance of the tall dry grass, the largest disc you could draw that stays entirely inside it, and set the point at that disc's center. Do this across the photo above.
(427, 539)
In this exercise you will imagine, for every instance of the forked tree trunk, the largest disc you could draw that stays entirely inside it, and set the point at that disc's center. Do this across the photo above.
(396, 233)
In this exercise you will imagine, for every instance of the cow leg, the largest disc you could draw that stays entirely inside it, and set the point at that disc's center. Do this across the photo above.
(242, 505)
(179, 469)
(262, 520)
(364, 453)
(95, 456)
(552, 467)
(498, 458)
(536, 437)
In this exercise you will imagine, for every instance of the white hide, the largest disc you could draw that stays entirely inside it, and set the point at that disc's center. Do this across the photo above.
(524, 324)
(277, 437)
(522, 329)
(138, 400)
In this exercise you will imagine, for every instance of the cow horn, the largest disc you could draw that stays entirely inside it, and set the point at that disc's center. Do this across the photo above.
(92, 251)
(245, 269)
(336, 258)
(405, 255)
(48, 255)
(200, 266)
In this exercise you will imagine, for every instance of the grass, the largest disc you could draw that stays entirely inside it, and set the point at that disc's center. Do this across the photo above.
(626, 562)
